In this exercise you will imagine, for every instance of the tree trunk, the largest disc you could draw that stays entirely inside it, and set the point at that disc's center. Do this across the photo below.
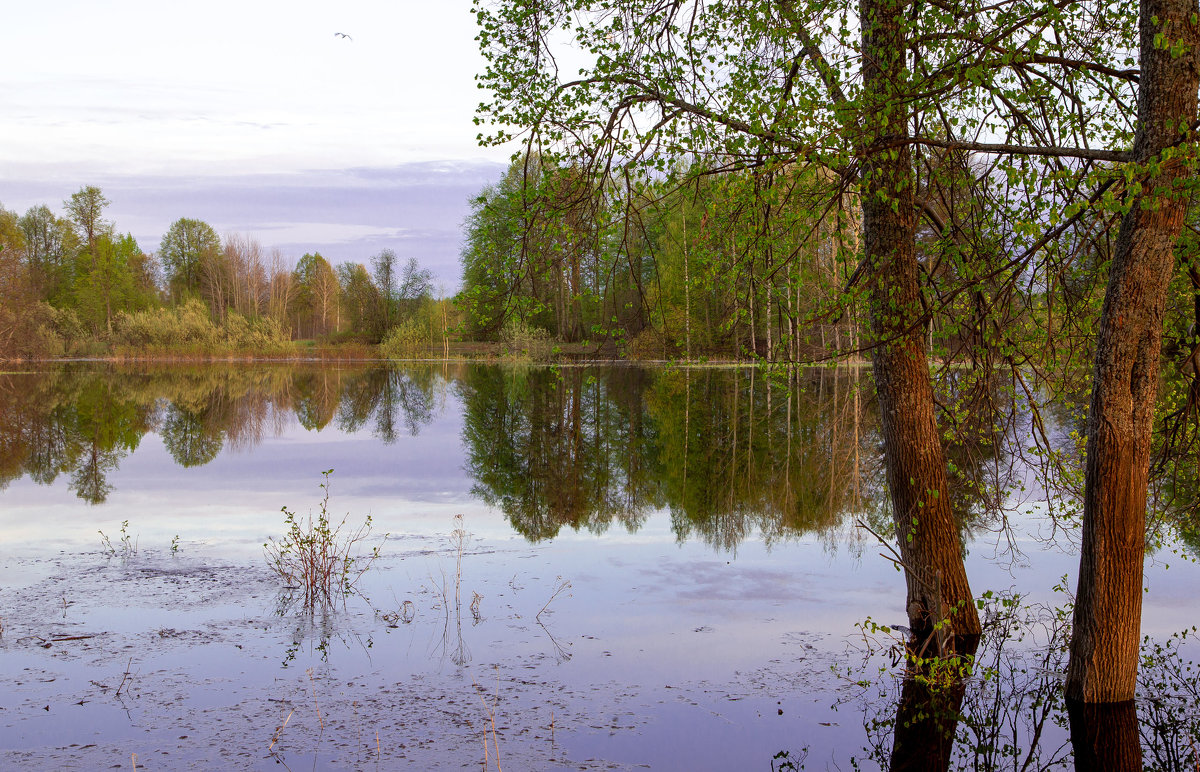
(926, 718)
(926, 528)
(1105, 736)
(1108, 604)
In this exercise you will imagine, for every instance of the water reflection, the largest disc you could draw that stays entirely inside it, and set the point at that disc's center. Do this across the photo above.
(727, 452)
(1007, 710)
(82, 421)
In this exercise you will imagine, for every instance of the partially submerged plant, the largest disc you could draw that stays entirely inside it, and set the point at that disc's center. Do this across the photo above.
(321, 557)
(129, 545)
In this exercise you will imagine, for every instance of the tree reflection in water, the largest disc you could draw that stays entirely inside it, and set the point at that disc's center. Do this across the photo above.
(728, 453)
(82, 421)
(1008, 710)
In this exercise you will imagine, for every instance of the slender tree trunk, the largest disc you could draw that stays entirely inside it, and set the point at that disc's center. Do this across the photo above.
(687, 294)
(1108, 604)
(750, 300)
(926, 528)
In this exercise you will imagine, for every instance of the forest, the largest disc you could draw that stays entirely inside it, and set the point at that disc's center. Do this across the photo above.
(74, 285)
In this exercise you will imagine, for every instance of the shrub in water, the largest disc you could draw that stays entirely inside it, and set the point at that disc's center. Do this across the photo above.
(321, 557)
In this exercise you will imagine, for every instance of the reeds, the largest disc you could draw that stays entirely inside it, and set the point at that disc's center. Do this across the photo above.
(320, 557)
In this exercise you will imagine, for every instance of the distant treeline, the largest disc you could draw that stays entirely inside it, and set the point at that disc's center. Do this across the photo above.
(74, 285)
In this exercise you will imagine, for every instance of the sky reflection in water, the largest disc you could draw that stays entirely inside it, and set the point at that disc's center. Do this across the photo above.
(703, 520)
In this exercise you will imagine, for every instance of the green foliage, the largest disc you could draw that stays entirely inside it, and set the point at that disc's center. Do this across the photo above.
(524, 341)
(110, 278)
(189, 328)
(128, 543)
(315, 303)
(185, 245)
(51, 246)
(361, 301)
(405, 341)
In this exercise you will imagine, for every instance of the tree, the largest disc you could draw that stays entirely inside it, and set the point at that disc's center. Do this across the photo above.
(1044, 94)
(316, 297)
(13, 244)
(85, 209)
(495, 277)
(112, 280)
(183, 248)
(248, 274)
(656, 96)
(51, 245)
(1106, 633)
(416, 282)
(280, 288)
(360, 300)
(14, 286)
(383, 270)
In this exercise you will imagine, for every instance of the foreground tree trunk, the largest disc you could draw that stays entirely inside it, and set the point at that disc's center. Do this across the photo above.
(1105, 736)
(1108, 605)
(926, 529)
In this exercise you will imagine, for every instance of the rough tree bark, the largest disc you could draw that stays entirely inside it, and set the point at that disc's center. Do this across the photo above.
(1108, 605)
(916, 466)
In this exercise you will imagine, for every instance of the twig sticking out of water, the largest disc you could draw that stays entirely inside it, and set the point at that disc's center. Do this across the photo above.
(320, 720)
(560, 586)
(125, 677)
(491, 713)
(458, 537)
(279, 731)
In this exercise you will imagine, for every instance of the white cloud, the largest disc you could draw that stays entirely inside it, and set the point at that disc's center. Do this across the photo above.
(152, 87)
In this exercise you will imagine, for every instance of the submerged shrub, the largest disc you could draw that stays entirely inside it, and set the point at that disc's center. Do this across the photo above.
(319, 557)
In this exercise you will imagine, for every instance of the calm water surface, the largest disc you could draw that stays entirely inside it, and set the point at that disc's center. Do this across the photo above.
(658, 567)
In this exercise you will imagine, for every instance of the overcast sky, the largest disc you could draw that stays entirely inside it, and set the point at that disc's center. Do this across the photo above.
(254, 116)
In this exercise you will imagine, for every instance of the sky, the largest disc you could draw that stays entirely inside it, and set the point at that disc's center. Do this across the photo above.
(254, 116)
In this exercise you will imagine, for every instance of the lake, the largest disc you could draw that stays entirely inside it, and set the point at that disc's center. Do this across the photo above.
(580, 567)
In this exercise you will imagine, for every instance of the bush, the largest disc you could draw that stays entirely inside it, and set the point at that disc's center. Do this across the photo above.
(185, 325)
(524, 341)
(651, 344)
(189, 326)
(404, 341)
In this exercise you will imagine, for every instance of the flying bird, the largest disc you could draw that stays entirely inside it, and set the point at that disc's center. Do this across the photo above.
(343, 35)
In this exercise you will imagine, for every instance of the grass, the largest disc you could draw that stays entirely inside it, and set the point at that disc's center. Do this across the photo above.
(319, 556)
